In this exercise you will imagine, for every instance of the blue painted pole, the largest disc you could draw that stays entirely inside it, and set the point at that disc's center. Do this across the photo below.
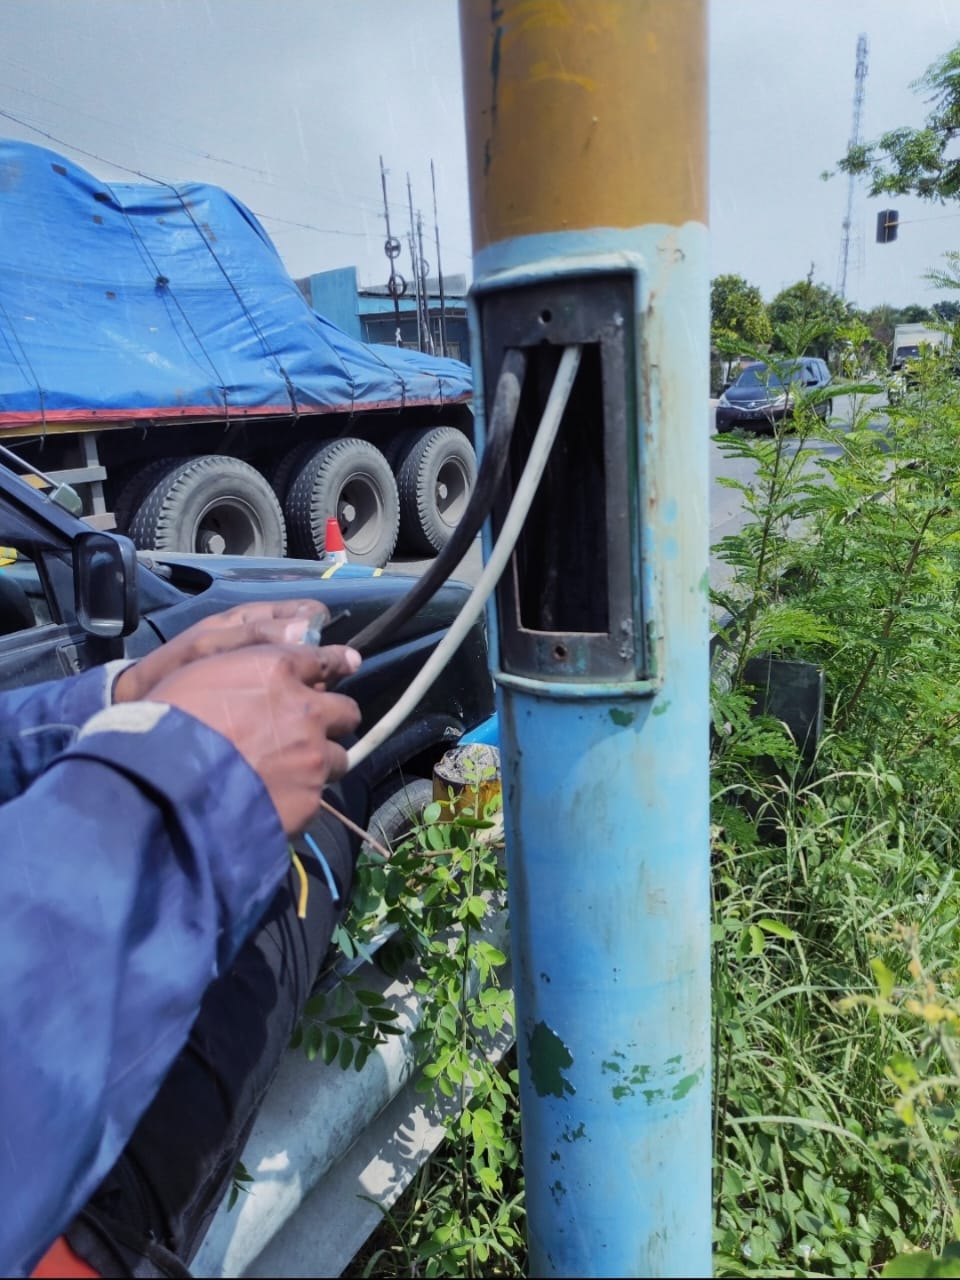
(586, 131)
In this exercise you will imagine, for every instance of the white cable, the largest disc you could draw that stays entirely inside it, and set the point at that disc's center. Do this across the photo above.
(509, 533)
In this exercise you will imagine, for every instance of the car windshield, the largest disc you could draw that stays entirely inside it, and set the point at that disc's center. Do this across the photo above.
(761, 375)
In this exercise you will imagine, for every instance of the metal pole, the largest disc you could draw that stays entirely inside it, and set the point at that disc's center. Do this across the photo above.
(392, 248)
(415, 266)
(586, 138)
(436, 236)
(424, 291)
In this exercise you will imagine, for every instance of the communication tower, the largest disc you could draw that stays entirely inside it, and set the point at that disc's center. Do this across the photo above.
(856, 139)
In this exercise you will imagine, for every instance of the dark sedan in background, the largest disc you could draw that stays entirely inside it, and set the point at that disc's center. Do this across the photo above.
(764, 394)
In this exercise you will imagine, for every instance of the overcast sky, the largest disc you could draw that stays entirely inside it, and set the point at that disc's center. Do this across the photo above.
(290, 103)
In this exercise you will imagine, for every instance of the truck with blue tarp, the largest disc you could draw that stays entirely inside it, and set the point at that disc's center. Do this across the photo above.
(156, 354)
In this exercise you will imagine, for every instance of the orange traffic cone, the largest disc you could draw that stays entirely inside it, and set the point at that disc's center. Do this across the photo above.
(333, 542)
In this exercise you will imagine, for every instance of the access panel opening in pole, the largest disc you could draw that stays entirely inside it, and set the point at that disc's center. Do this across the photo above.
(571, 604)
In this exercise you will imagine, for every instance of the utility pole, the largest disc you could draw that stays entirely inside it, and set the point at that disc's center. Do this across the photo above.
(424, 292)
(591, 278)
(436, 235)
(415, 267)
(391, 247)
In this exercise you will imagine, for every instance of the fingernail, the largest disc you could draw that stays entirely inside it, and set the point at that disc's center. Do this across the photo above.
(294, 632)
(352, 658)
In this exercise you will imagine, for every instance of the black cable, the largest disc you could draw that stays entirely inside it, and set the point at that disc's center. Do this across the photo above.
(502, 418)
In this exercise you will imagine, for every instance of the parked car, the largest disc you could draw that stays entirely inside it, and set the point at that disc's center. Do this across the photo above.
(764, 393)
(72, 597)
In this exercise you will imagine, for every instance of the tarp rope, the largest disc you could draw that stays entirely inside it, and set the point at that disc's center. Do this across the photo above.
(294, 407)
(29, 366)
(169, 291)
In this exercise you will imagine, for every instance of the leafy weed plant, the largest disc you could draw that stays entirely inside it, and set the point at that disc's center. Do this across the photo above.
(817, 1169)
(436, 897)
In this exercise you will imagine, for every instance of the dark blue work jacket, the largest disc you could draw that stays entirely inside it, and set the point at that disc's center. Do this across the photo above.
(138, 850)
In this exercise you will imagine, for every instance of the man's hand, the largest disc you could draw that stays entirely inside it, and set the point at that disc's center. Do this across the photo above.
(279, 622)
(271, 703)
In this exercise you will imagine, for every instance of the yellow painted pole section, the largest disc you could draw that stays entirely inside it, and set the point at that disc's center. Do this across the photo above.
(577, 111)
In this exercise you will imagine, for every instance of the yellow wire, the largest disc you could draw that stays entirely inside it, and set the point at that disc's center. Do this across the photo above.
(304, 885)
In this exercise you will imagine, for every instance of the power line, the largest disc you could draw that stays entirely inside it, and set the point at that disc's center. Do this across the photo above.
(62, 142)
(256, 175)
(166, 142)
(309, 226)
(139, 173)
(937, 217)
(167, 182)
(147, 177)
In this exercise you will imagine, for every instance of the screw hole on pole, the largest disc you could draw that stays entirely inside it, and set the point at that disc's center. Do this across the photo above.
(560, 652)
(546, 315)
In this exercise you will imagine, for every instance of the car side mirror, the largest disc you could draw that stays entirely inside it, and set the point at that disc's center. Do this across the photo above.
(105, 584)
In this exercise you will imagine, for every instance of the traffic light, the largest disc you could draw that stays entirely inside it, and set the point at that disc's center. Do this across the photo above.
(888, 220)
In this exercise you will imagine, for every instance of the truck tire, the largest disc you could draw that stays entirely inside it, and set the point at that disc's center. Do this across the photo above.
(397, 447)
(135, 487)
(435, 481)
(211, 504)
(348, 479)
(281, 471)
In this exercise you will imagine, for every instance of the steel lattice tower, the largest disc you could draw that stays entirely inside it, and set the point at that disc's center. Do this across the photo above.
(856, 138)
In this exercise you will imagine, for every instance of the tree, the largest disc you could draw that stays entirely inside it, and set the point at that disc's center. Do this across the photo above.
(857, 351)
(948, 277)
(737, 313)
(812, 308)
(914, 314)
(915, 162)
(948, 312)
(881, 321)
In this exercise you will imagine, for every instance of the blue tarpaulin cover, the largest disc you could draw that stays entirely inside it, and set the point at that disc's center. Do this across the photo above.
(153, 301)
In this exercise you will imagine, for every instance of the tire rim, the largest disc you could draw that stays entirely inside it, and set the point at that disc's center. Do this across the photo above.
(452, 491)
(360, 513)
(228, 527)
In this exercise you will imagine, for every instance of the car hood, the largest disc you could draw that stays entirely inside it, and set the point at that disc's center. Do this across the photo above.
(257, 568)
(208, 584)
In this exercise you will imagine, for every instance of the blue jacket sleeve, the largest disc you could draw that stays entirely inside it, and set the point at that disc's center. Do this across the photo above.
(130, 873)
(40, 721)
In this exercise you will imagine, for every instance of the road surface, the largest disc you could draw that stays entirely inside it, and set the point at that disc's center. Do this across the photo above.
(726, 515)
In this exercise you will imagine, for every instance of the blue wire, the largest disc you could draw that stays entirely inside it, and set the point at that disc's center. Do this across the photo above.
(325, 867)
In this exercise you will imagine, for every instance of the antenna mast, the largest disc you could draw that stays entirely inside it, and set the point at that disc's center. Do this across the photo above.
(856, 139)
(396, 285)
(417, 279)
(436, 233)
